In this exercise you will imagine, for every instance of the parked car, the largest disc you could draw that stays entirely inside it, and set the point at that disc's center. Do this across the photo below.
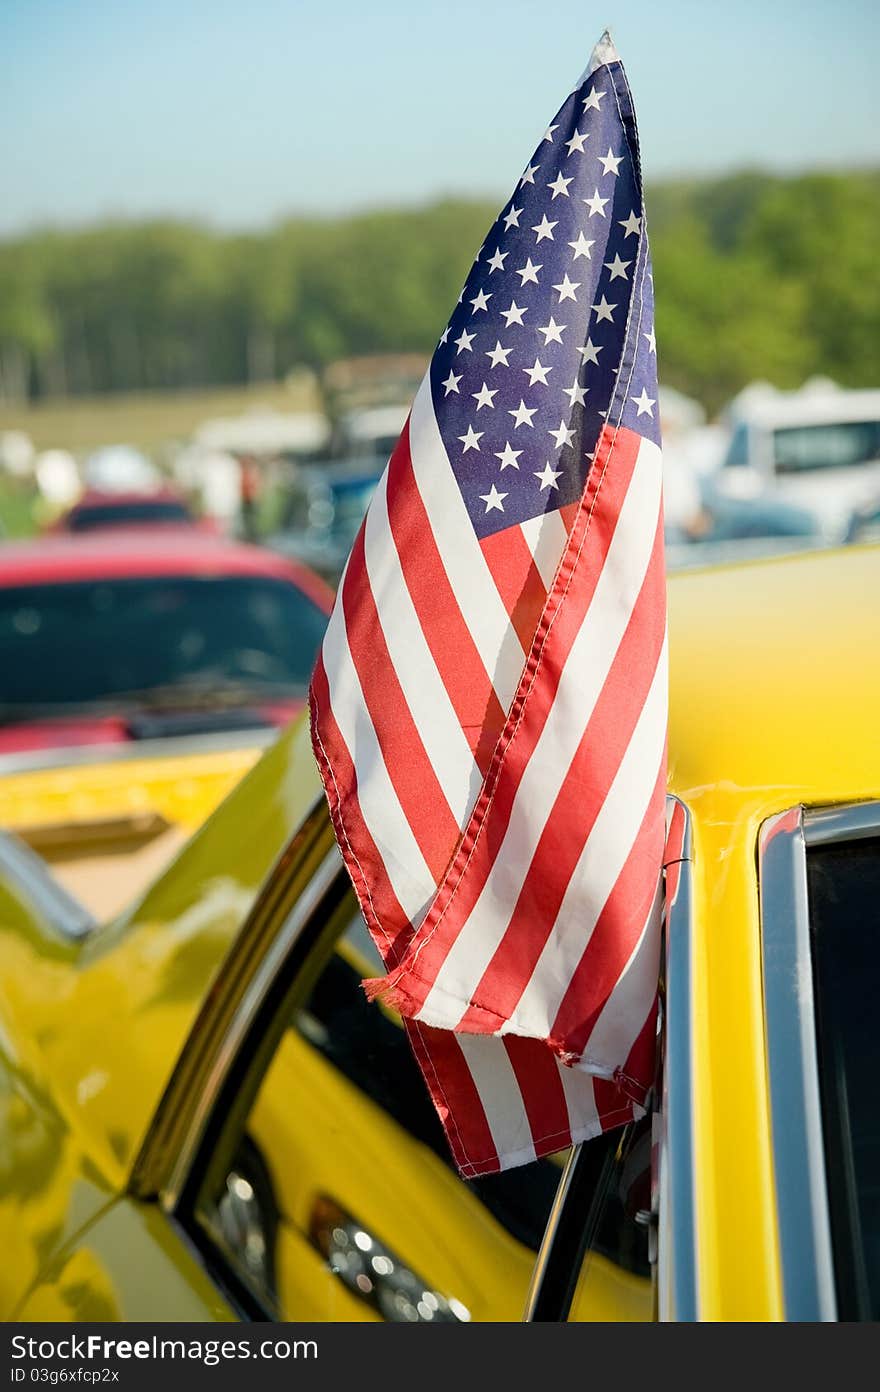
(798, 462)
(141, 675)
(96, 510)
(202, 1117)
(323, 509)
(132, 636)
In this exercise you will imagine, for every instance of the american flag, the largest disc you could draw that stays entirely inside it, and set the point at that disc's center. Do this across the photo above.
(489, 709)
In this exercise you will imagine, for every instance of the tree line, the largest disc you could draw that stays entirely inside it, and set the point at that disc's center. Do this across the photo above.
(755, 277)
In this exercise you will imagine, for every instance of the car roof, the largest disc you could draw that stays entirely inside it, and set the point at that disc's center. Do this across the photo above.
(775, 680)
(781, 410)
(135, 553)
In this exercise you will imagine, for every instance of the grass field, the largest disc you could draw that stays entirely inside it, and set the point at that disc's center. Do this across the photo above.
(148, 419)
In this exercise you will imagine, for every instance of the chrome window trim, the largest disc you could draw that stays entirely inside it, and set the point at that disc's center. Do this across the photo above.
(554, 1219)
(30, 874)
(677, 1294)
(851, 822)
(253, 998)
(806, 1252)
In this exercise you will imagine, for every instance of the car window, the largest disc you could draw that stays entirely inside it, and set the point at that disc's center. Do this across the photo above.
(844, 892)
(97, 640)
(86, 518)
(615, 1278)
(801, 448)
(335, 1197)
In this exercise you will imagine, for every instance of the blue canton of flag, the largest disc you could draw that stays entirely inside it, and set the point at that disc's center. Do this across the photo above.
(521, 391)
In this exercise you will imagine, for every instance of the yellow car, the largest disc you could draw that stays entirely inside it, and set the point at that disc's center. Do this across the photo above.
(201, 1117)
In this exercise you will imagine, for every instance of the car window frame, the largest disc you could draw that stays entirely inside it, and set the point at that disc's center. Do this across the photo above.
(808, 1269)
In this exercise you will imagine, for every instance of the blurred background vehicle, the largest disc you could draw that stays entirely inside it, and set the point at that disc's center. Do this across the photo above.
(322, 510)
(132, 636)
(142, 671)
(371, 430)
(96, 510)
(798, 463)
(120, 469)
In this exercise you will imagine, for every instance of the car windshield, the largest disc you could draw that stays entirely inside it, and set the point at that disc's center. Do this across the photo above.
(87, 517)
(102, 640)
(801, 448)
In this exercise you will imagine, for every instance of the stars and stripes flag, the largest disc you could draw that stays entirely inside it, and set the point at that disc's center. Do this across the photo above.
(489, 708)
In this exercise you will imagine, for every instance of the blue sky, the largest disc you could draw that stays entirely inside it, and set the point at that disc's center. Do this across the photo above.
(236, 113)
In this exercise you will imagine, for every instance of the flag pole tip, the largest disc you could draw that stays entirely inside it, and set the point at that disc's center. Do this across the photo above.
(603, 53)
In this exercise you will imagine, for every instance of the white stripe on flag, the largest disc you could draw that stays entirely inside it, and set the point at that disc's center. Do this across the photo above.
(583, 678)
(463, 560)
(618, 1027)
(496, 1082)
(580, 1099)
(546, 538)
(383, 815)
(432, 711)
(611, 839)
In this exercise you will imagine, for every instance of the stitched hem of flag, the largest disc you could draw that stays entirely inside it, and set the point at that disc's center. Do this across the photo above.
(395, 995)
(509, 1158)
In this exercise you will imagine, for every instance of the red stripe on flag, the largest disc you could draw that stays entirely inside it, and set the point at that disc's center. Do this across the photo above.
(453, 649)
(616, 932)
(540, 1085)
(456, 1098)
(612, 1103)
(517, 580)
(568, 515)
(463, 885)
(642, 1058)
(580, 799)
(409, 768)
(382, 912)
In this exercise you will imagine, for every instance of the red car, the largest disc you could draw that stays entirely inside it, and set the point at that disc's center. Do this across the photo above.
(126, 635)
(97, 509)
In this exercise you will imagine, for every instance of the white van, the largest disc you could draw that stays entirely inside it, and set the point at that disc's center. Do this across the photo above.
(816, 450)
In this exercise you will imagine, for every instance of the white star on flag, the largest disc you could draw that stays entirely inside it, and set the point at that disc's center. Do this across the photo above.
(522, 415)
(581, 247)
(563, 436)
(604, 310)
(548, 476)
(528, 272)
(577, 142)
(514, 315)
(493, 499)
(544, 229)
(566, 288)
(484, 397)
(552, 332)
(508, 456)
(560, 187)
(617, 268)
(596, 204)
(611, 162)
(499, 355)
(537, 373)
